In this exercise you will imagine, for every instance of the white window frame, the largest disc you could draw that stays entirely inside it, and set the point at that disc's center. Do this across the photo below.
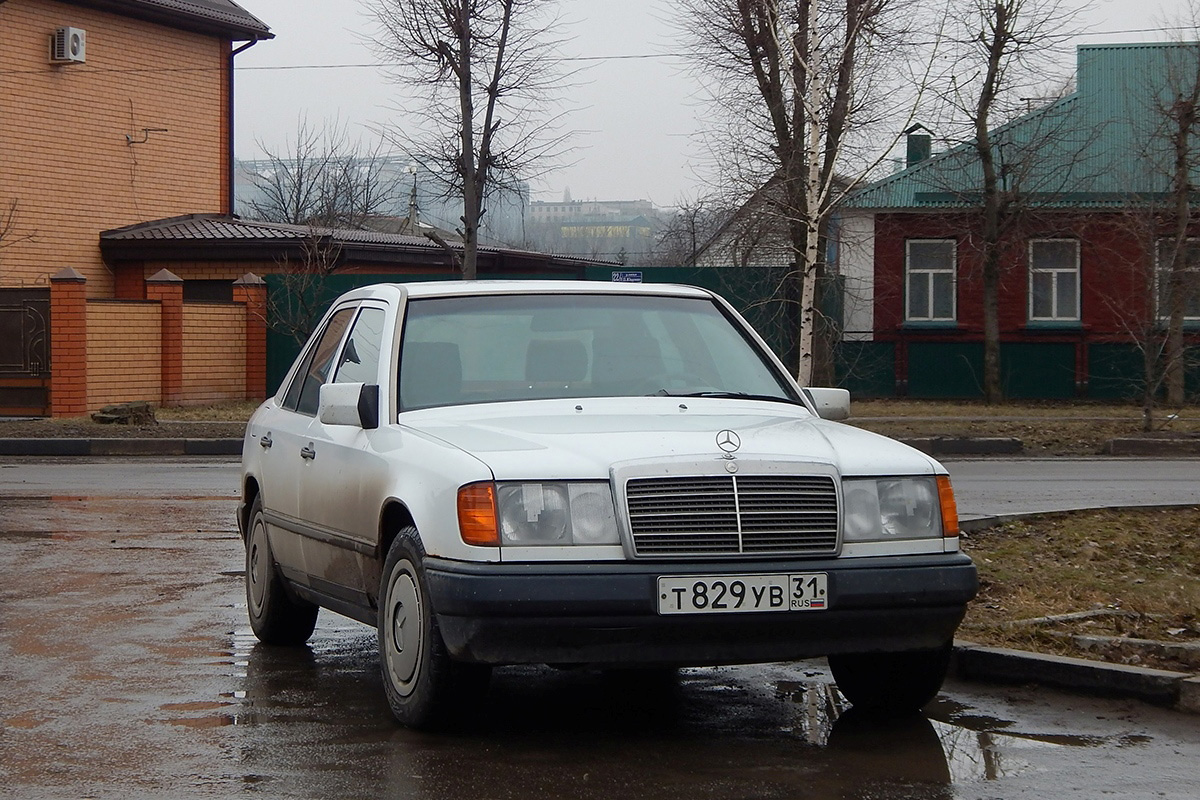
(1074, 313)
(929, 273)
(1163, 315)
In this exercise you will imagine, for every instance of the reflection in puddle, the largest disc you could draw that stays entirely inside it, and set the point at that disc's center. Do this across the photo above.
(706, 732)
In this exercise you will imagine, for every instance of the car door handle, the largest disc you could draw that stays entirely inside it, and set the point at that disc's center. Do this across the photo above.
(266, 441)
(308, 452)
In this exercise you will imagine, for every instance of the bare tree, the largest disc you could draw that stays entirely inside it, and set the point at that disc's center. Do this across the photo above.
(484, 74)
(323, 179)
(694, 223)
(1161, 219)
(1178, 257)
(1004, 47)
(295, 306)
(799, 81)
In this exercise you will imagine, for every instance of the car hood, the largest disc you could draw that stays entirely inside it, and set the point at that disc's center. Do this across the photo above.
(582, 439)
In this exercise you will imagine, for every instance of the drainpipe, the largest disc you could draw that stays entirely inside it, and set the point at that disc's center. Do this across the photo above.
(232, 169)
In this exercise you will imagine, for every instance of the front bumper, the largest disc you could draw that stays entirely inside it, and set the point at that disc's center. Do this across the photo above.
(606, 614)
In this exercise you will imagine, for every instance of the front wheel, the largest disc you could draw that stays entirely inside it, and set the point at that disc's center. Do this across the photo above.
(425, 687)
(891, 684)
(275, 616)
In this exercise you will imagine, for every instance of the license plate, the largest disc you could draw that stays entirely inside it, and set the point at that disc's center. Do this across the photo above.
(734, 594)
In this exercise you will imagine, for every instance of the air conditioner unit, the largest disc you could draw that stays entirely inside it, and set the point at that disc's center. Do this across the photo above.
(68, 46)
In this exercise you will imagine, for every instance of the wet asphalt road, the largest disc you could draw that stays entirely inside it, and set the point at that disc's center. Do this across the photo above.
(129, 671)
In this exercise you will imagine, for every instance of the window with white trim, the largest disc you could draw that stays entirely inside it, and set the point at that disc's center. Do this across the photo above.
(930, 280)
(1190, 285)
(1054, 280)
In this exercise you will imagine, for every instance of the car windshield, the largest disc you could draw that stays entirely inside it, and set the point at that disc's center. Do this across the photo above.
(494, 348)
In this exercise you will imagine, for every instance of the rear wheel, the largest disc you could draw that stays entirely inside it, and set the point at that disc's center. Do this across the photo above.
(275, 616)
(891, 684)
(425, 687)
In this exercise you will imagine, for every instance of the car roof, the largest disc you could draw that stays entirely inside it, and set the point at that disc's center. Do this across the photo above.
(477, 288)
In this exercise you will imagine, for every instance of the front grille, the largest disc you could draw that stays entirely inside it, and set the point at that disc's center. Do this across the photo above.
(733, 515)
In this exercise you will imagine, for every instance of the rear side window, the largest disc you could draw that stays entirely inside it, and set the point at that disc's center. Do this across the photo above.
(304, 393)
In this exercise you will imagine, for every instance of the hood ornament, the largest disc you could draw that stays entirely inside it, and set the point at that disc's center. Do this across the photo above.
(729, 442)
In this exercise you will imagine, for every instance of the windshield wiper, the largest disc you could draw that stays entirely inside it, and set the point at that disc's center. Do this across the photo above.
(735, 395)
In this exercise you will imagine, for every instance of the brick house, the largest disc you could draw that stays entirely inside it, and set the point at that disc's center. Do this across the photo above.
(113, 112)
(1081, 277)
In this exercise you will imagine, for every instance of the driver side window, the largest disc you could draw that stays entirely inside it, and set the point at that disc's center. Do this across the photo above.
(304, 393)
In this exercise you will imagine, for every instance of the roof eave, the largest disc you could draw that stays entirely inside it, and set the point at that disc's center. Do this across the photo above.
(252, 30)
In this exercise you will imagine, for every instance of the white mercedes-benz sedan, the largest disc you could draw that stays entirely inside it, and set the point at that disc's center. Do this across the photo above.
(577, 473)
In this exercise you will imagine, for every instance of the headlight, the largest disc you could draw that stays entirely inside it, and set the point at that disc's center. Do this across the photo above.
(556, 514)
(886, 509)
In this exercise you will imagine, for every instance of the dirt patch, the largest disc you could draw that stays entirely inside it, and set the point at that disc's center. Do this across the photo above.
(83, 428)
(1093, 584)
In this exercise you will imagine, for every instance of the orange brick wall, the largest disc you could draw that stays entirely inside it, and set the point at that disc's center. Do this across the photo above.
(65, 157)
(124, 352)
(210, 270)
(214, 353)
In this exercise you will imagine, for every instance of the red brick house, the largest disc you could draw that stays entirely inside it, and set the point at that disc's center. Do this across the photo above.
(1082, 276)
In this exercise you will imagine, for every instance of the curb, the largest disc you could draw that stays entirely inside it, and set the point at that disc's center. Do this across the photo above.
(967, 445)
(1177, 690)
(120, 447)
(1152, 447)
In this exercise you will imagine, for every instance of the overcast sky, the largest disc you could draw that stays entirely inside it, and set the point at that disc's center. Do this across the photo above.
(633, 116)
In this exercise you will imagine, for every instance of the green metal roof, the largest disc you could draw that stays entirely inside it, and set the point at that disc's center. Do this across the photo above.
(1099, 147)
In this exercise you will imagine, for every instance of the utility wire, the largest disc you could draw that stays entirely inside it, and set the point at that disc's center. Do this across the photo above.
(574, 59)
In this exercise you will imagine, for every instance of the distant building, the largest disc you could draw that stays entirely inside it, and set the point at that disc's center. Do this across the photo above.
(622, 230)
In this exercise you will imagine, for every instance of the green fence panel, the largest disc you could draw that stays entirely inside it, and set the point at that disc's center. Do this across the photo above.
(1115, 372)
(1191, 376)
(945, 369)
(867, 369)
(1038, 370)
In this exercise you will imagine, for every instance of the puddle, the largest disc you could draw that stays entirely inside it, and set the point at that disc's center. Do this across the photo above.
(28, 535)
(217, 721)
(949, 743)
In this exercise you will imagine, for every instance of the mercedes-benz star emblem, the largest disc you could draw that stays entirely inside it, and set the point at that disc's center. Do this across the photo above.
(729, 441)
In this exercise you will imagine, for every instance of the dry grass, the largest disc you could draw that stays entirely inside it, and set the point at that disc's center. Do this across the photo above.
(1145, 563)
(1044, 428)
(233, 411)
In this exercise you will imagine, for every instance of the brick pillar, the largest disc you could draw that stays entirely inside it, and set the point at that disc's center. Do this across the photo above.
(68, 344)
(251, 291)
(167, 288)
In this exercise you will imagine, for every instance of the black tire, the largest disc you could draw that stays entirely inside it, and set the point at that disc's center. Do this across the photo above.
(891, 684)
(425, 688)
(275, 616)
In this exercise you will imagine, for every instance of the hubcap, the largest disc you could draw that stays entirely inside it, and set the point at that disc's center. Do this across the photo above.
(257, 565)
(403, 649)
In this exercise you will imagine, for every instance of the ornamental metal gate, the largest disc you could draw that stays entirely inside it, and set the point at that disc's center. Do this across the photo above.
(24, 352)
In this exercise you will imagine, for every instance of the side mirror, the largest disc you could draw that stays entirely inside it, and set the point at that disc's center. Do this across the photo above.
(350, 404)
(830, 403)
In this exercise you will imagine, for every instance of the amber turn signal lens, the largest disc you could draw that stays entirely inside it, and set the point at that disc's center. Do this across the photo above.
(949, 509)
(477, 514)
